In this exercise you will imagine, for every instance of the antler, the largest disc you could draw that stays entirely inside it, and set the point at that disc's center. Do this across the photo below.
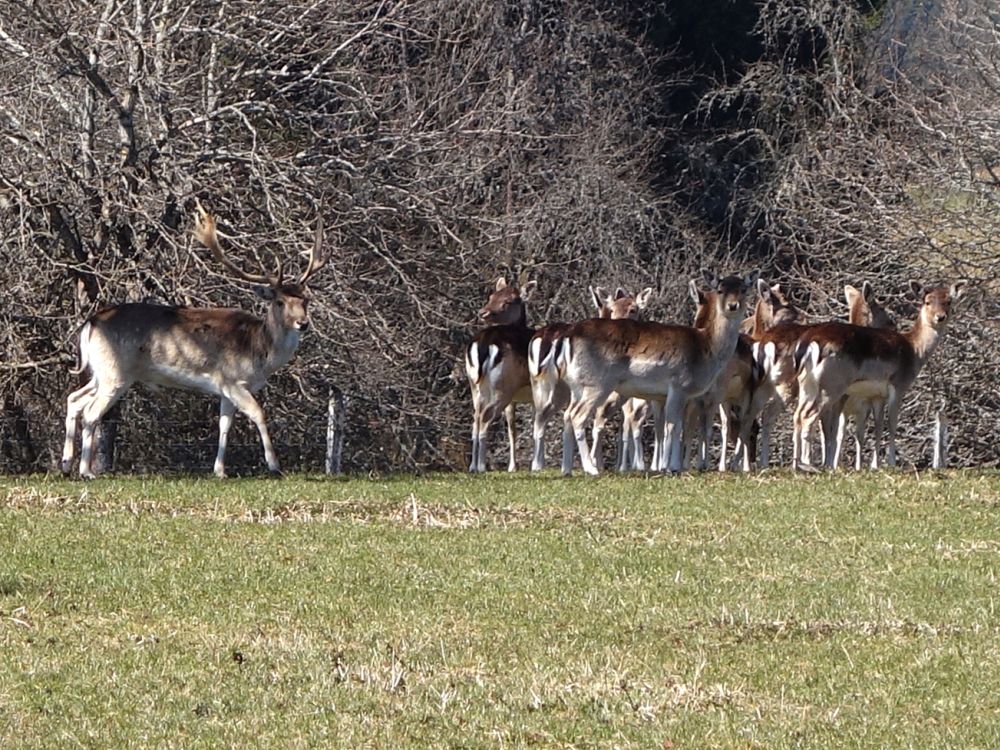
(316, 259)
(204, 230)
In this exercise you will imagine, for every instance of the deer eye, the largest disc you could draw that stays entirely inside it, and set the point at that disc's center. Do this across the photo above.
(279, 302)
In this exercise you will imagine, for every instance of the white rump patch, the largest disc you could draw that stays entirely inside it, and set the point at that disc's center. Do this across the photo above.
(534, 350)
(472, 363)
(494, 354)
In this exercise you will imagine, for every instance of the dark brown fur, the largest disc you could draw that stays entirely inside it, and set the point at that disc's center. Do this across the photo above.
(511, 341)
(630, 339)
(861, 344)
(548, 335)
(783, 336)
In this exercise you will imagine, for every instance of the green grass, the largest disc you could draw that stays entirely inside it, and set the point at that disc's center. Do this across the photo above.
(501, 611)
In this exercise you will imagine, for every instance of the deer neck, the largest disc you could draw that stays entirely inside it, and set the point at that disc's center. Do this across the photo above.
(280, 342)
(720, 334)
(923, 338)
(522, 318)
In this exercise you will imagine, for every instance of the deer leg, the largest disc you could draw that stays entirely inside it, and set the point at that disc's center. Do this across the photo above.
(103, 400)
(659, 462)
(859, 438)
(743, 443)
(622, 442)
(860, 427)
(226, 411)
(807, 413)
(477, 408)
(633, 459)
(799, 435)
(247, 404)
(75, 403)
(830, 421)
(893, 408)
(673, 427)
(545, 400)
(878, 414)
(841, 434)
(638, 459)
(767, 419)
(567, 451)
(581, 409)
(538, 436)
(688, 429)
(724, 436)
(705, 439)
(474, 461)
(511, 415)
(597, 436)
(625, 438)
(486, 417)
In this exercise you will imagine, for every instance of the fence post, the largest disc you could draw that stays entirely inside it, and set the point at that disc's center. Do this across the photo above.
(940, 441)
(334, 431)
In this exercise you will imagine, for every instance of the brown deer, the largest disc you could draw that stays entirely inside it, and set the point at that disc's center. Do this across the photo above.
(863, 309)
(774, 351)
(549, 393)
(833, 358)
(671, 363)
(496, 364)
(773, 329)
(620, 307)
(733, 391)
(226, 352)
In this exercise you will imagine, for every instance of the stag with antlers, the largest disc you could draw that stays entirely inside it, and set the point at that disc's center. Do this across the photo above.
(226, 352)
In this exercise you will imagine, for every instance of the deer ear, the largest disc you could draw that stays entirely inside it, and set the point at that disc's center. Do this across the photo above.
(527, 289)
(916, 289)
(763, 289)
(598, 295)
(642, 299)
(957, 289)
(751, 279)
(867, 292)
(265, 292)
(851, 294)
(710, 278)
(501, 283)
(620, 293)
(694, 291)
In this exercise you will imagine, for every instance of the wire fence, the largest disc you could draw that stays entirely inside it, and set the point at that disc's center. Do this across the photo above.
(150, 441)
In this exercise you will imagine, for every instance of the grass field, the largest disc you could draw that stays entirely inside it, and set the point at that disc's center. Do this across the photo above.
(501, 611)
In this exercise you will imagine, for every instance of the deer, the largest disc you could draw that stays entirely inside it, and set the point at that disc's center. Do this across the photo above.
(549, 393)
(754, 393)
(225, 352)
(774, 352)
(863, 309)
(496, 364)
(831, 359)
(655, 361)
(733, 391)
(620, 307)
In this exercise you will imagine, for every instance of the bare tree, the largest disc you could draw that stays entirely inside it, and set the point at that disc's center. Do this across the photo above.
(873, 159)
(446, 143)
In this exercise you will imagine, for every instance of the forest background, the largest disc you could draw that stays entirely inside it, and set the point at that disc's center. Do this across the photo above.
(448, 142)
